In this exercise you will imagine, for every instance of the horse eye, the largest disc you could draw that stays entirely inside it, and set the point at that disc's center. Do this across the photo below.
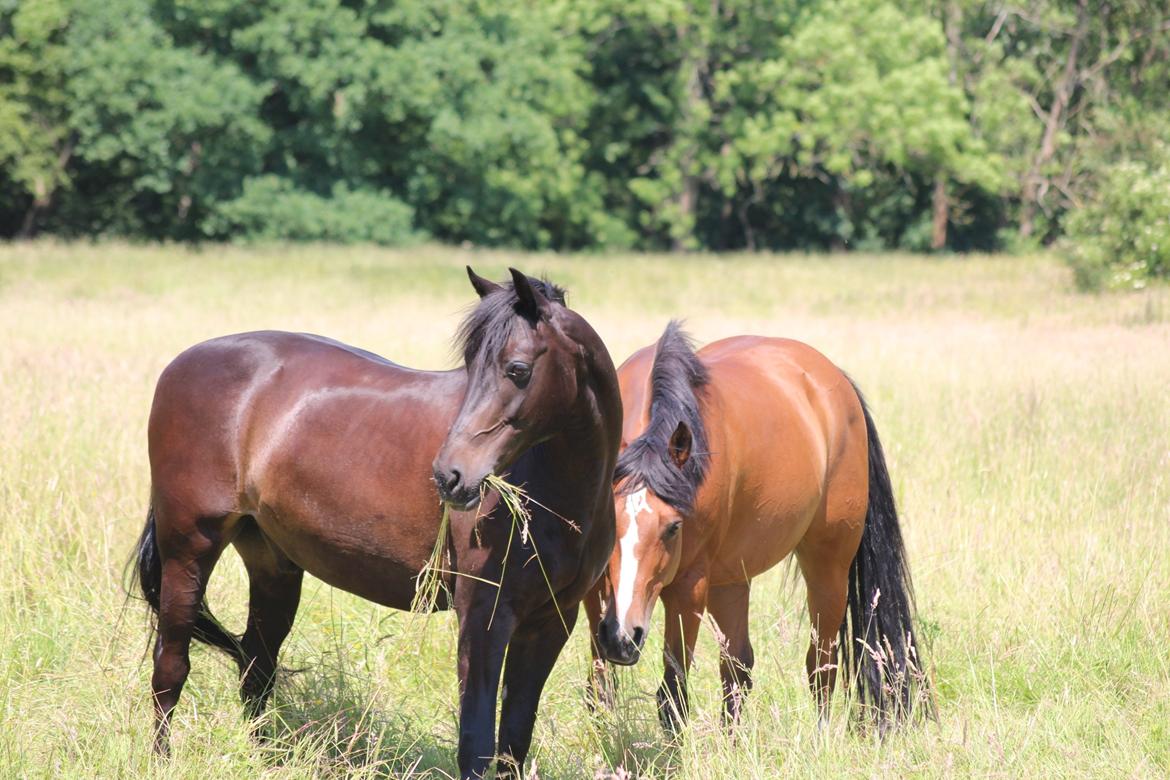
(672, 529)
(519, 373)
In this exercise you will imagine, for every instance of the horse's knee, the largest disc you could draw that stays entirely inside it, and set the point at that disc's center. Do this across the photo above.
(170, 672)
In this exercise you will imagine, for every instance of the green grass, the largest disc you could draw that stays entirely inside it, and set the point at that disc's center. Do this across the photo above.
(1027, 429)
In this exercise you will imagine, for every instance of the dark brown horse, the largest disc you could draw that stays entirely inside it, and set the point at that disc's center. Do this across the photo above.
(309, 455)
(733, 458)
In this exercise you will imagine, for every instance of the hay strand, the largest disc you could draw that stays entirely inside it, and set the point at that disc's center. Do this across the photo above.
(430, 583)
(515, 499)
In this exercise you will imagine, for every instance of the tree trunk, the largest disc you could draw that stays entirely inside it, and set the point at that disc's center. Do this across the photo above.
(28, 225)
(749, 233)
(1034, 185)
(843, 206)
(697, 65)
(43, 194)
(940, 208)
(940, 202)
(686, 209)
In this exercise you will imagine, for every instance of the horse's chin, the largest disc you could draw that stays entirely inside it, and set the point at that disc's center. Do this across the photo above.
(625, 661)
(459, 505)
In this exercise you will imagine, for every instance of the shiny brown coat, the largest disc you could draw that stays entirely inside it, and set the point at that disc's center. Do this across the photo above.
(788, 472)
(310, 455)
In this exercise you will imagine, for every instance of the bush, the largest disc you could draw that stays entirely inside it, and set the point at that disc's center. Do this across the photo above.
(274, 209)
(1121, 238)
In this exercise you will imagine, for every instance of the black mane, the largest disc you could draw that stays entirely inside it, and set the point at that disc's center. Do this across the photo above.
(677, 383)
(490, 323)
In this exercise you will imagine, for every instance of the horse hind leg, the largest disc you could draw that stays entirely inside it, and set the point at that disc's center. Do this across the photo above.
(828, 585)
(182, 590)
(274, 589)
(182, 616)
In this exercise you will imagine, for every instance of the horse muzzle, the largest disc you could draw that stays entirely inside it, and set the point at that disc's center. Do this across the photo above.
(617, 646)
(455, 490)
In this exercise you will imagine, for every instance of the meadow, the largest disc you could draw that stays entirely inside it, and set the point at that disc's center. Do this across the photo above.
(1027, 429)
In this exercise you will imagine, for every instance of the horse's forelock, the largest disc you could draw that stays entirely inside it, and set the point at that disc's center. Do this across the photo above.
(488, 325)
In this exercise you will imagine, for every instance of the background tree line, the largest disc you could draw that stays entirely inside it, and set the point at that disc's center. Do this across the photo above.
(686, 124)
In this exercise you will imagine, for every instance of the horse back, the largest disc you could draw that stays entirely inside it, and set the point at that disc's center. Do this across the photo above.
(789, 461)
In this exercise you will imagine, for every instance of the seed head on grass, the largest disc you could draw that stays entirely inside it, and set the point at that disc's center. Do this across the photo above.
(515, 500)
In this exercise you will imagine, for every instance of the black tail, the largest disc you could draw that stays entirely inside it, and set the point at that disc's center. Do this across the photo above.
(147, 572)
(877, 640)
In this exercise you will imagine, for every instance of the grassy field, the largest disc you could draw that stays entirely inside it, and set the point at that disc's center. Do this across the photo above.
(1028, 433)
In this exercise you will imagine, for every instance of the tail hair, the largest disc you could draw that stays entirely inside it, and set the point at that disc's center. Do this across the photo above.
(877, 639)
(146, 572)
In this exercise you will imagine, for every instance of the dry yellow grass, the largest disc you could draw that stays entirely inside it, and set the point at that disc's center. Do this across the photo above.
(1028, 433)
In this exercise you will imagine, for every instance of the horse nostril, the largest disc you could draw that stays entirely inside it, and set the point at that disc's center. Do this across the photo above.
(638, 637)
(447, 481)
(603, 632)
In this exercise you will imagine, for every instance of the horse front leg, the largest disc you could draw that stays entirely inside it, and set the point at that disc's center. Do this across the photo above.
(728, 605)
(534, 650)
(685, 600)
(599, 690)
(481, 659)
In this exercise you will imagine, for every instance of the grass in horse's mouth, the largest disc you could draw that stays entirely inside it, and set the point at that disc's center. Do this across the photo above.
(430, 579)
(516, 500)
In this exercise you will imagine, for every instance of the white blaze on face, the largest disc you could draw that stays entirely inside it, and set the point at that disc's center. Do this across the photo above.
(636, 504)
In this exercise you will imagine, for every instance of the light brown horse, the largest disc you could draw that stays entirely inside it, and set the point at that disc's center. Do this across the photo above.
(309, 455)
(734, 457)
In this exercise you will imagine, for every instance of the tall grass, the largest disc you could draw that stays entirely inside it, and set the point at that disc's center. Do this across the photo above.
(1028, 435)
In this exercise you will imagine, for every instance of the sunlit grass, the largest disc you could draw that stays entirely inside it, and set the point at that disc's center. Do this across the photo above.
(1027, 429)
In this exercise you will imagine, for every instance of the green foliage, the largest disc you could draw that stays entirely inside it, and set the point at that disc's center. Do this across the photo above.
(164, 131)
(838, 104)
(575, 123)
(1121, 238)
(33, 135)
(493, 111)
(272, 209)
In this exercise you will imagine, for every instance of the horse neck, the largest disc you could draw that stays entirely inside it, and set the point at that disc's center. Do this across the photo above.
(588, 439)
(596, 416)
(713, 497)
(602, 399)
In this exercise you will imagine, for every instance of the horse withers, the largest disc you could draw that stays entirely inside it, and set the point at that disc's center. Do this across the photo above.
(309, 455)
(734, 457)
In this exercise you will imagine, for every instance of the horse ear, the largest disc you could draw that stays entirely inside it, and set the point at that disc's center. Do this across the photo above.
(680, 444)
(482, 286)
(532, 300)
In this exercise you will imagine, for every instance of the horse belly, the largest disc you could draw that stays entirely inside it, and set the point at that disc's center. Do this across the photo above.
(760, 539)
(341, 481)
(359, 517)
(358, 556)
